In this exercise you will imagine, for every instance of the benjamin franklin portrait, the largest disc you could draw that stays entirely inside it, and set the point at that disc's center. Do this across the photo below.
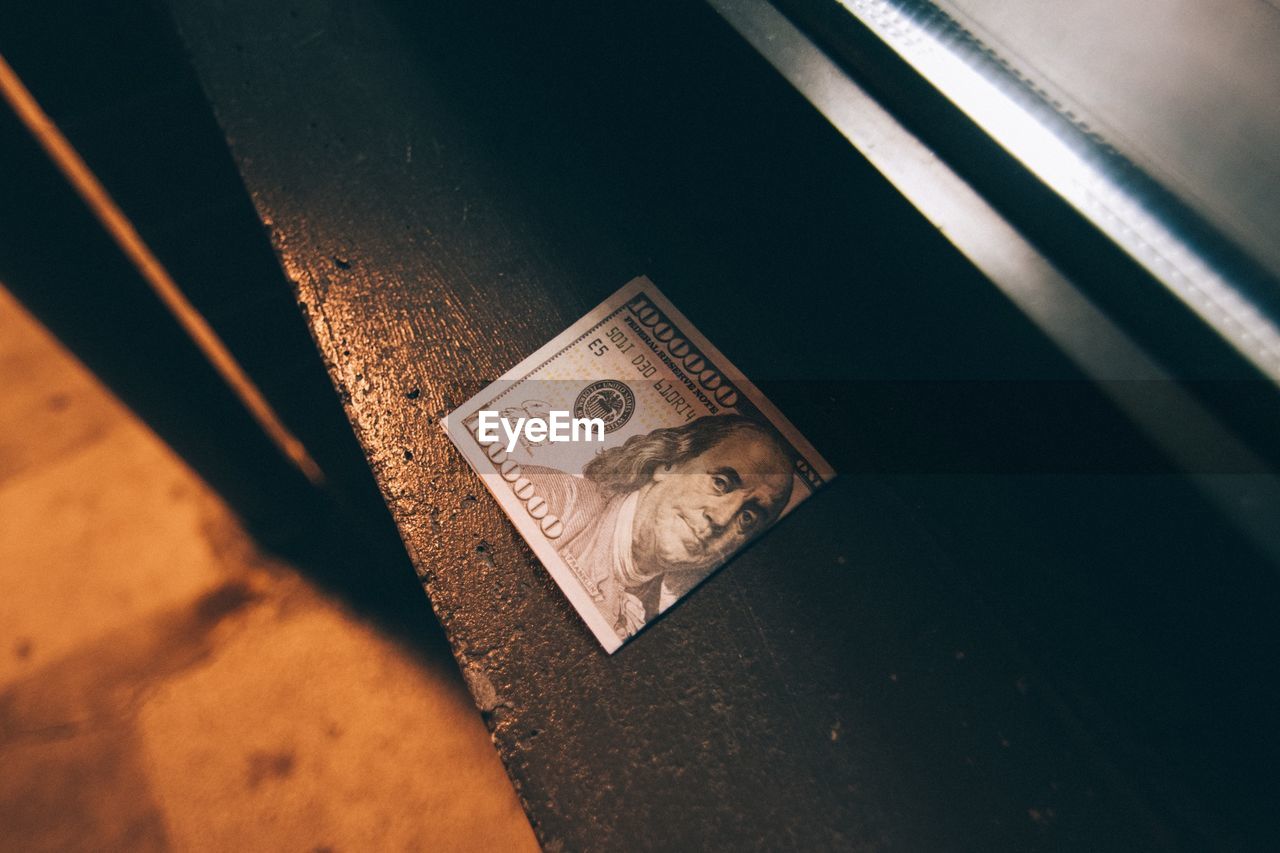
(648, 520)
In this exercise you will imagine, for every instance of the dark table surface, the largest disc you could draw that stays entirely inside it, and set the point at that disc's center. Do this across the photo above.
(980, 637)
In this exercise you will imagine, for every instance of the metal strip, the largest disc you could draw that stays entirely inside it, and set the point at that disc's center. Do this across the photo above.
(1073, 164)
(1168, 414)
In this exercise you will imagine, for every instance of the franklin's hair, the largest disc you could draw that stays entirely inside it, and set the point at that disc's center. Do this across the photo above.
(619, 470)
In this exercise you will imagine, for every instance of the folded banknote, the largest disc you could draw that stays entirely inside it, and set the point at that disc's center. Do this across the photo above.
(634, 458)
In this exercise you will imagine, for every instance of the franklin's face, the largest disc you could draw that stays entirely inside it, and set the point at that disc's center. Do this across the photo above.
(694, 514)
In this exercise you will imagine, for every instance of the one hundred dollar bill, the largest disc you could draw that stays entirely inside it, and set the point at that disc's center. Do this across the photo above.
(634, 458)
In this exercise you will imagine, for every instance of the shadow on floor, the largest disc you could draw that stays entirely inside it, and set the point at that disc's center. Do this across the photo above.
(166, 684)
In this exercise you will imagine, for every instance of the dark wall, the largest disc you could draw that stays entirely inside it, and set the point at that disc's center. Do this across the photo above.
(115, 80)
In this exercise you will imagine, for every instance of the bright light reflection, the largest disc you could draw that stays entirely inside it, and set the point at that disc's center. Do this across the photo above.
(1082, 183)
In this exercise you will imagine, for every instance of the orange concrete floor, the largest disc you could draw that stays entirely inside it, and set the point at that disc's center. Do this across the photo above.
(165, 685)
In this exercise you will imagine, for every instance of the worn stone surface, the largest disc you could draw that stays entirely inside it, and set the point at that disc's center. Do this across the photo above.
(448, 190)
(165, 685)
